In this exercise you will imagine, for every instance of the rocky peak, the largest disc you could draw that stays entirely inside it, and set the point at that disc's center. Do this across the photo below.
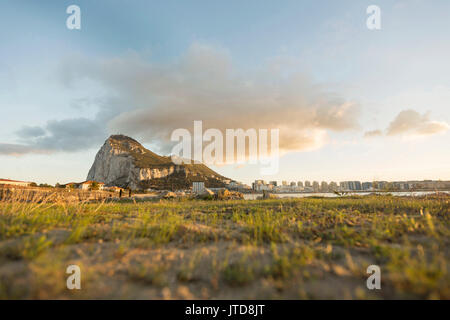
(124, 162)
(125, 144)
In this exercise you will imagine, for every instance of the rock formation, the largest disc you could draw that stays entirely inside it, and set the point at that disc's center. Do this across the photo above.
(124, 162)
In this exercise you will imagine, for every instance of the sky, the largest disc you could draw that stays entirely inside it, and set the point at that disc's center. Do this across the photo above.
(350, 103)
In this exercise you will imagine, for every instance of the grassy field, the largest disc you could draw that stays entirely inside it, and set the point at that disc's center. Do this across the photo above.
(311, 248)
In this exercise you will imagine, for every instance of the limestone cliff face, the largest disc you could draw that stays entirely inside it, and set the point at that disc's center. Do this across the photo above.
(124, 162)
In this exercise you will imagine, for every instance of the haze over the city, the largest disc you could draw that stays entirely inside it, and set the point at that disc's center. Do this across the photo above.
(351, 103)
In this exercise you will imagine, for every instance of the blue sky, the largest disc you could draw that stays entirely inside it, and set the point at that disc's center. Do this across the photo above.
(54, 81)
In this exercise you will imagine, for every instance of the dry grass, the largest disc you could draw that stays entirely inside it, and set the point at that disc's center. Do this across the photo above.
(274, 249)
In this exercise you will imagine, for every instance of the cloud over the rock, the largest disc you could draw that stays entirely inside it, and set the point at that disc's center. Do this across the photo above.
(411, 122)
(148, 100)
(204, 85)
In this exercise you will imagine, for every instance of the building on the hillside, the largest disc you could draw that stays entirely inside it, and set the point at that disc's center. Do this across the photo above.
(234, 185)
(14, 183)
(87, 185)
(72, 185)
(238, 186)
(198, 186)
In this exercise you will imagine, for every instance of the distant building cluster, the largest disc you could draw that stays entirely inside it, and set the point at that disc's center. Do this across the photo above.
(394, 185)
(199, 187)
(271, 186)
(299, 186)
(316, 186)
(236, 185)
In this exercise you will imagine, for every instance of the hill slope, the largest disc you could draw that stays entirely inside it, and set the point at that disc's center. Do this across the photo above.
(124, 162)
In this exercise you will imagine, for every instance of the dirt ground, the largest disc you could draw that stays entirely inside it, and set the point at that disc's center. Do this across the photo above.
(273, 249)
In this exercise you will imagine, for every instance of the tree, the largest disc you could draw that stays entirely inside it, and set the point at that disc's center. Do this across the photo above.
(45, 185)
(94, 186)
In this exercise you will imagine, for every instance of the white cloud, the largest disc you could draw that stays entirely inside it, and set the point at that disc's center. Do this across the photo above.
(410, 122)
(148, 100)
(204, 85)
